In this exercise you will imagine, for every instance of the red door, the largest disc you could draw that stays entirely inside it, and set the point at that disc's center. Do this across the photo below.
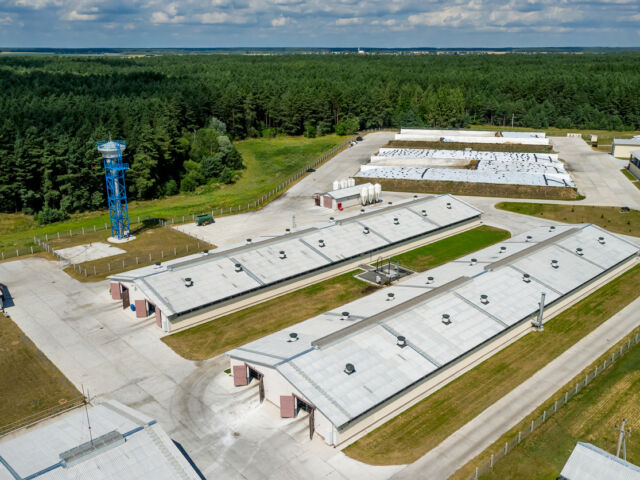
(287, 406)
(141, 308)
(240, 375)
(158, 318)
(115, 291)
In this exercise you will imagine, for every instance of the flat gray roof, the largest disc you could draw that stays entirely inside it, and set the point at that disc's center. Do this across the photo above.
(627, 141)
(216, 278)
(588, 462)
(364, 332)
(147, 452)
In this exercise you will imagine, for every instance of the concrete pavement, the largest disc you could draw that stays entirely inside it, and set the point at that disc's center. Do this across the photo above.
(465, 444)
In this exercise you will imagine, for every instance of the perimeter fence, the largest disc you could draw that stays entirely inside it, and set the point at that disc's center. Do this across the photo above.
(549, 412)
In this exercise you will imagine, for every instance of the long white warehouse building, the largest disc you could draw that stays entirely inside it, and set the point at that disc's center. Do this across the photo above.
(356, 366)
(202, 286)
(472, 136)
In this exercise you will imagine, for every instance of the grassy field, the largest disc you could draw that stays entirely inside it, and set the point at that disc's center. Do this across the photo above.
(417, 430)
(443, 251)
(269, 162)
(152, 244)
(630, 176)
(29, 382)
(590, 416)
(610, 218)
(227, 332)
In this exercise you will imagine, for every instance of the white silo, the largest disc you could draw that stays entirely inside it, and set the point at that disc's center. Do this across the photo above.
(371, 193)
(336, 185)
(343, 183)
(364, 195)
(378, 190)
(351, 182)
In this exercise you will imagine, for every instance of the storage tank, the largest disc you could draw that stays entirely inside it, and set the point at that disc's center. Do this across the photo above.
(378, 190)
(371, 193)
(364, 194)
(351, 182)
(343, 183)
(336, 184)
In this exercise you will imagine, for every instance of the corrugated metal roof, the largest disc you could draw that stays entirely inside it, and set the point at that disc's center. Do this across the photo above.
(627, 141)
(588, 462)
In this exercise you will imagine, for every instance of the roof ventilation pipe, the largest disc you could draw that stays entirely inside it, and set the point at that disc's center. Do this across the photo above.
(293, 337)
(446, 318)
(248, 241)
(579, 251)
(484, 299)
(401, 341)
(390, 297)
(345, 316)
(283, 255)
(287, 230)
(552, 228)
(449, 205)
(362, 210)
(238, 267)
(349, 369)
(601, 240)
(188, 282)
(555, 264)
(429, 280)
(321, 243)
(526, 278)
(205, 252)
(529, 238)
(424, 213)
(396, 221)
(366, 230)
(158, 265)
(473, 262)
(502, 249)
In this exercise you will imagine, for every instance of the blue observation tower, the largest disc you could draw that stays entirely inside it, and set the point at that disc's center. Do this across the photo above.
(116, 190)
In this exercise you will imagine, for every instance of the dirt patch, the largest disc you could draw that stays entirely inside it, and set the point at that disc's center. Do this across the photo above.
(474, 189)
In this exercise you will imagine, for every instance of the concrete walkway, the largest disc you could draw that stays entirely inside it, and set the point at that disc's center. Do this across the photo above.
(473, 438)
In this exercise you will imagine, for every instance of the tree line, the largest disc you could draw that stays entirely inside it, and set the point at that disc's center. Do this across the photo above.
(179, 114)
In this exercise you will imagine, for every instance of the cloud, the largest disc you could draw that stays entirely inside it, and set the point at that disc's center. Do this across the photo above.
(341, 22)
(280, 21)
(163, 17)
(37, 4)
(6, 20)
(75, 16)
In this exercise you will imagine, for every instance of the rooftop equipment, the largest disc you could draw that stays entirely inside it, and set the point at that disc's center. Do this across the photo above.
(188, 282)
(484, 299)
(114, 169)
(601, 240)
(365, 230)
(293, 337)
(321, 243)
(345, 316)
(555, 264)
(390, 296)
(349, 369)
(446, 318)
(238, 267)
(526, 278)
(401, 341)
(429, 280)
(579, 251)
(282, 254)
(449, 205)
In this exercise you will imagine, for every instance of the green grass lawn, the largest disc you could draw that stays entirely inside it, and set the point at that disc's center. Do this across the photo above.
(29, 383)
(230, 331)
(606, 217)
(442, 251)
(590, 417)
(417, 430)
(269, 162)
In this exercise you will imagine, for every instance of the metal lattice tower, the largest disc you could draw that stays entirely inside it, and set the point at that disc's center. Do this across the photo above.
(116, 190)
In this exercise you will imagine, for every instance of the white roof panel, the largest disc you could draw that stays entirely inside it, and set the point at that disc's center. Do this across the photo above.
(588, 462)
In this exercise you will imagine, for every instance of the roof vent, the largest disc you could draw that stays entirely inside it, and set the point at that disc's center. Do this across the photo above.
(424, 213)
(238, 267)
(390, 296)
(345, 316)
(601, 240)
(449, 205)
(401, 341)
(287, 230)
(552, 228)
(188, 282)
(332, 218)
(365, 230)
(526, 278)
(484, 299)
(248, 240)
(429, 280)
(206, 252)
(579, 251)
(396, 221)
(415, 196)
(446, 318)
(293, 337)
(282, 254)
(473, 261)
(349, 369)
(555, 264)
(158, 265)
(362, 210)
(321, 243)
(503, 249)
(529, 238)
(390, 203)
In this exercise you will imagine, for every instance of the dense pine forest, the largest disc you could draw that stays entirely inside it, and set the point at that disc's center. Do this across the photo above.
(179, 114)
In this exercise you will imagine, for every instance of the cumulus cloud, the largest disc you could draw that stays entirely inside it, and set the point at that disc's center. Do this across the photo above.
(281, 21)
(341, 22)
(6, 20)
(75, 16)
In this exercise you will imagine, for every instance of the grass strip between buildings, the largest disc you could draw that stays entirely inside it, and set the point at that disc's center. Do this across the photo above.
(611, 218)
(30, 384)
(588, 417)
(422, 427)
(222, 334)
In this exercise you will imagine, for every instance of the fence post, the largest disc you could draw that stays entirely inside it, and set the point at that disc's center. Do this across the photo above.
(476, 478)
(46, 237)
(58, 235)
(149, 257)
(161, 253)
(109, 265)
(174, 251)
(519, 436)
(532, 425)
(187, 248)
(94, 228)
(122, 263)
(83, 230)
(94, 269)
(566, 397)
(491, 462)
(31, 250)
(136, 260)
(544, 416)
(506, 448)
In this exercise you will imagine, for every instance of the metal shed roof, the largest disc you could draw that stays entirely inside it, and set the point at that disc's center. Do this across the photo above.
(216, 278)
(588, 462)
(364, 332)
(627, 141)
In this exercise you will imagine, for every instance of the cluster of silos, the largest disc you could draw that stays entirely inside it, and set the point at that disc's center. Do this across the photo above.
(344, 183)
(370, 193)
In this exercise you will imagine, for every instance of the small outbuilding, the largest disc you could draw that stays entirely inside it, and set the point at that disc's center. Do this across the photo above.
(634, 163)
(588, 462)
(622, 147)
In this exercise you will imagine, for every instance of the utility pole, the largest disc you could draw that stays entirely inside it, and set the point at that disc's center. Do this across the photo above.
(622, 439)
(86, 411)
(538, 323)
(293, 222)
(512, 116)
